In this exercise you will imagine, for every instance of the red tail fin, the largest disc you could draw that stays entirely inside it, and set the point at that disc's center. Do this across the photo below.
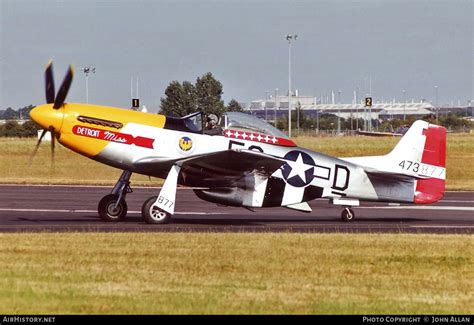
(431, 190)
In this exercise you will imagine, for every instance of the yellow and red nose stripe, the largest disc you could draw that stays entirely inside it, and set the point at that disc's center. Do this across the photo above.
(112, 136)
(90, 140)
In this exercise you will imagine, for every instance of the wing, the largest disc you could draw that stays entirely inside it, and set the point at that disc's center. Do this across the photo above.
(222, 168)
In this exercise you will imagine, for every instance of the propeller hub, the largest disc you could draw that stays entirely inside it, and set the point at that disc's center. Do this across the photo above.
(47, 117)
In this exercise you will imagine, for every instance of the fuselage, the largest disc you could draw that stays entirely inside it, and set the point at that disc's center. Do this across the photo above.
(129, 139)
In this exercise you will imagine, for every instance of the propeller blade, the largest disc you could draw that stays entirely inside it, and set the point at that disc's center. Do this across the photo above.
(49, 82)
(37, 145)
(63, 90)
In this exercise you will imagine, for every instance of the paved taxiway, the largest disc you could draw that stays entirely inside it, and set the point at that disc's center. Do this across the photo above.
(73, 208)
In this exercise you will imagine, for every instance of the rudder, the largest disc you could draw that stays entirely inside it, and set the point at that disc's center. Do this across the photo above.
(431, 189)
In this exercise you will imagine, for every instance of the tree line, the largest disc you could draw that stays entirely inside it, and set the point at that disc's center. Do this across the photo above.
(11, 114)
(11, 128)
(205, 95)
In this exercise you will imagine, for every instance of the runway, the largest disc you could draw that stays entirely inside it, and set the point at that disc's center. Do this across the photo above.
(74, 208)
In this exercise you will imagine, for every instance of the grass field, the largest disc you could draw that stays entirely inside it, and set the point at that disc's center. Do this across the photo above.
(71, 168)
(160, 273)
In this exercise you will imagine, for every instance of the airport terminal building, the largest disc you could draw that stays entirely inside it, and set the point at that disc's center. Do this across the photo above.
(313, 106)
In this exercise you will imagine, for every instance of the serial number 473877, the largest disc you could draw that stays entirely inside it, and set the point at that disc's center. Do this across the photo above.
(422, 169)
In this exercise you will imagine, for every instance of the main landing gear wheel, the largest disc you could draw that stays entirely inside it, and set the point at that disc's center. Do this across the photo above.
(347, 215)
(109, 212)
(154, 215)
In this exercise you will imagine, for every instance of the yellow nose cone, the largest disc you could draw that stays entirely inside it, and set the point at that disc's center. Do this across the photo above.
(46, 116)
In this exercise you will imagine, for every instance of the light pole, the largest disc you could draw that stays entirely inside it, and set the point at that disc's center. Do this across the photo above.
(266, 99)
(87, 70)
(275, 107)
(357, 108)
(404, 105)
(317, 121)
(339, 112)
(298, 107)
(289, 37)
(366, 115)
(436, 102)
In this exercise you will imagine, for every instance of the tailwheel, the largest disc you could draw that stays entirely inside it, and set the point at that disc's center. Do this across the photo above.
(110, 211)
(154, 215)
(347, 215)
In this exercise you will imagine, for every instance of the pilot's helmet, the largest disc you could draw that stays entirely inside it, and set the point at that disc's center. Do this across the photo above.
(212, 119)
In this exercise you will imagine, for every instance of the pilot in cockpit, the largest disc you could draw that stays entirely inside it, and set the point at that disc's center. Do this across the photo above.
(212, 125)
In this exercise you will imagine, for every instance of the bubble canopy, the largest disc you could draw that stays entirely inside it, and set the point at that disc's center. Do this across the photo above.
(248, 123)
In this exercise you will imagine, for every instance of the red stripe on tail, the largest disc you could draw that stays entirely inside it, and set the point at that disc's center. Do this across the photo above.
(432, 190)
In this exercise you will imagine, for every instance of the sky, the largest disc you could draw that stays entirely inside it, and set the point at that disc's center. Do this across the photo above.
(414, 46)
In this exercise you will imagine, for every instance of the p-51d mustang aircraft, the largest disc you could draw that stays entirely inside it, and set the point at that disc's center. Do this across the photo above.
(249, 164)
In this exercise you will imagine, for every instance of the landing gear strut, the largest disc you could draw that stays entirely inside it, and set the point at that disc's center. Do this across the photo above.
(112, 207)
(347, 214)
